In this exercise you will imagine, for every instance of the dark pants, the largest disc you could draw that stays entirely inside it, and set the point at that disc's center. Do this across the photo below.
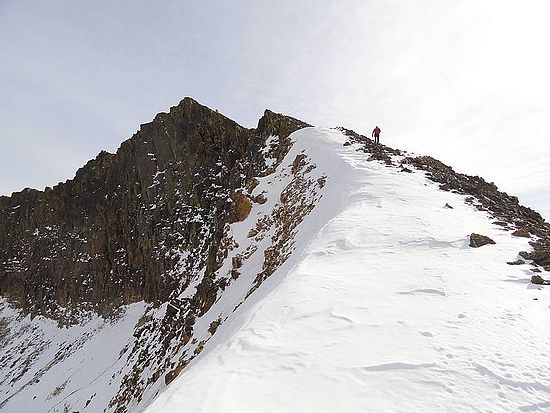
(377, 139)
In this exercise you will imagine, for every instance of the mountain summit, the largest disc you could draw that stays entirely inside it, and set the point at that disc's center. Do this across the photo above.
(209, 267)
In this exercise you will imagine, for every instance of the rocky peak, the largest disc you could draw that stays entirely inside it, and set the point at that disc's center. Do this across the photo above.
(272, 123)
(114, 234)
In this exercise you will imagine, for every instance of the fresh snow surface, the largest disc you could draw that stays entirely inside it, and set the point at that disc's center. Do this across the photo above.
(386, 308)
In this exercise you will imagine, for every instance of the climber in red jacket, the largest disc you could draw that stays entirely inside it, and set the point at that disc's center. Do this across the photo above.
(376, 135)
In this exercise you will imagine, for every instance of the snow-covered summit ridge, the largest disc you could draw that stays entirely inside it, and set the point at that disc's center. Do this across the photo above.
(348, 278)
(383, 307)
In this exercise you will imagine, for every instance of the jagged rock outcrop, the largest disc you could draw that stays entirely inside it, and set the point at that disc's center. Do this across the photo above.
(129, 225)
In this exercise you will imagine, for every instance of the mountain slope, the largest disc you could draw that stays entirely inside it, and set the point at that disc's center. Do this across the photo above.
(114, 234)
(387, 308)
(148, 234)
(247, 264)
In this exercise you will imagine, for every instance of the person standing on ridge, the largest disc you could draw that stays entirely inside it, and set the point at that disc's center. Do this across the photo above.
(376, 134)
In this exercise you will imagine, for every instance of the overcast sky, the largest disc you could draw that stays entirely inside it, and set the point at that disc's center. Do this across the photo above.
(465, 81)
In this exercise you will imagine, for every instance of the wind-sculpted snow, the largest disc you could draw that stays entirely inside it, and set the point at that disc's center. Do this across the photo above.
(383, 307)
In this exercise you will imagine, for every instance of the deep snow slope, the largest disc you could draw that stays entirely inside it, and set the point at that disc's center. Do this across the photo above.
(382, 307)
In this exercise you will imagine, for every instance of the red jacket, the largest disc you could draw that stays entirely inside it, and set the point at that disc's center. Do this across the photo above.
(376, 132)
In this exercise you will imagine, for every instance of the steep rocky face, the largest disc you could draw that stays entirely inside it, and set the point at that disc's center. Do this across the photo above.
(154, 223)
(133, 225)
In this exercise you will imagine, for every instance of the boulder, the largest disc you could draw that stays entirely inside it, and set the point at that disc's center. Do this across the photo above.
(537, 279)
(517, 262)
(478, 240)
(521, 232)
(241, 207)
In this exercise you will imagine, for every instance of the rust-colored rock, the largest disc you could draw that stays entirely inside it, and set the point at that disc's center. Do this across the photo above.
(241, 207)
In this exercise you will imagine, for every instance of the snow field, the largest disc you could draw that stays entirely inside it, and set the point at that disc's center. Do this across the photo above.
(383, 308)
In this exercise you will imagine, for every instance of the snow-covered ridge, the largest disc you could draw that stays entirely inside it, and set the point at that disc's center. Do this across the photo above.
(385, 308)
(349, 279)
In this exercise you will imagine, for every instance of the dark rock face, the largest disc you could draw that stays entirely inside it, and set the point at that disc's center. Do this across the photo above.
(477, 240)
(151, 223)
(131, 226)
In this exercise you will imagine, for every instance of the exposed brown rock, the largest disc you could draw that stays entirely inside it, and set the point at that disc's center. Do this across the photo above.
(521, 232)
(539, 256)
(478, 240)
(241, 207)
(113, 235)
(501, 223)
(253, 183)
(260, 199)
(214, 326)
(171, 375)
(517, 262)
(537, 279)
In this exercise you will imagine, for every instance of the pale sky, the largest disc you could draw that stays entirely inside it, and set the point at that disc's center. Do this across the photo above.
(464, 81)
